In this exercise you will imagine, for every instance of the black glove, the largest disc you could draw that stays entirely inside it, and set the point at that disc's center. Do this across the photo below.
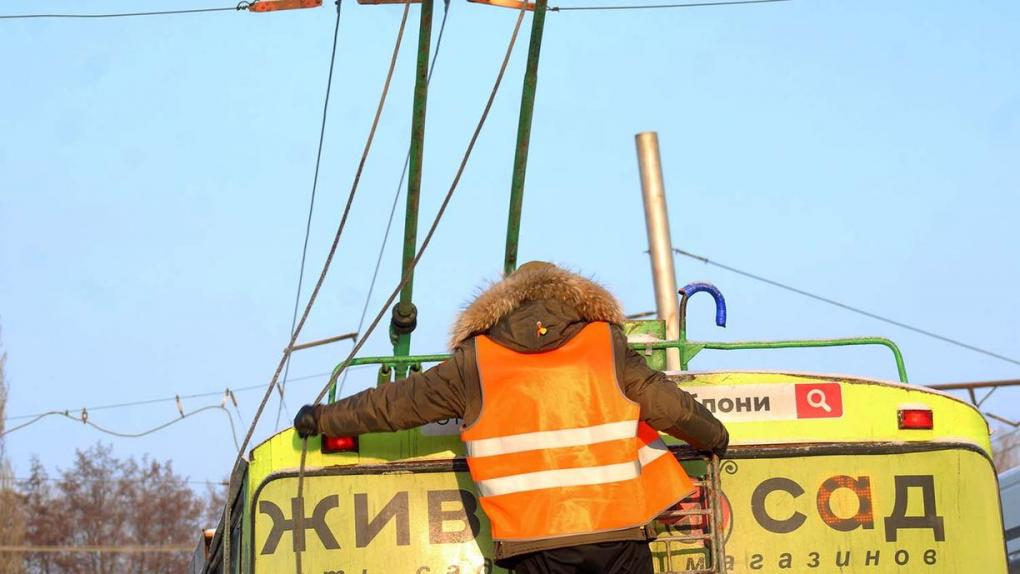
(721, 446)
(306, 423)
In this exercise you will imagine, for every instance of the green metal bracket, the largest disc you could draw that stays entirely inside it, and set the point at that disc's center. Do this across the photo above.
(385, 376)
(513, 226)
(688, 349)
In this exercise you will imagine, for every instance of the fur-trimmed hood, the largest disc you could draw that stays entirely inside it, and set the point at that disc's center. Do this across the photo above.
(536, 280)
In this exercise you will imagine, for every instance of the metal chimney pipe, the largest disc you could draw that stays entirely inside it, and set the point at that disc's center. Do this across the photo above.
(660, 246)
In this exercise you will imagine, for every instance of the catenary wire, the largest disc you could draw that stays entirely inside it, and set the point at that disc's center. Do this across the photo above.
(396, 195)
(233, 430)
(84, 419)
(34, 420)
(658, 6)
(311, 206)
(322, 275)
(160, 400)
(849, 307)
(22, 480)
(240, 6)
(282, 406)
(229, 395)
(130, 549)
(175, 397)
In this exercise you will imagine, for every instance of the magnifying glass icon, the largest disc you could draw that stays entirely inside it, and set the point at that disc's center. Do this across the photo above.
(816, 399)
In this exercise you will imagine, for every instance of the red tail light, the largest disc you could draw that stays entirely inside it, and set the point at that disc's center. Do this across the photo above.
(331, 444)
(274, 5)
(922, 419)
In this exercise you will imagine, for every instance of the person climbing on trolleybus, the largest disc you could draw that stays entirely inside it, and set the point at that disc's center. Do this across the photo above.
(560, 423)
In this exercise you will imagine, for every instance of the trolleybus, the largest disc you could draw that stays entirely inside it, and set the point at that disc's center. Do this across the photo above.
(825, 473)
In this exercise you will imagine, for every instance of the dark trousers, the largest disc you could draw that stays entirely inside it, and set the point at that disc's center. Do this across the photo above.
(628, 557)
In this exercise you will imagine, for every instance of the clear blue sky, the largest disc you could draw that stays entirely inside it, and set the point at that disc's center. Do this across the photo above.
(155, 173)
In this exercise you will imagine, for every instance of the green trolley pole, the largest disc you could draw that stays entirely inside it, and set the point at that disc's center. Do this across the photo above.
(405, 315)
(513, 227)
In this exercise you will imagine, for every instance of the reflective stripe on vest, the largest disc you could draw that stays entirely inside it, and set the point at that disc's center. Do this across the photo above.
(559, 450)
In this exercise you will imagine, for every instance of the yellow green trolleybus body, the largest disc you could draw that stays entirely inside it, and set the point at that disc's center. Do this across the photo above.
(826, 473)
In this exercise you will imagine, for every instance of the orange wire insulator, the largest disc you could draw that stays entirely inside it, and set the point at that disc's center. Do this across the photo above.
(274, 5)
(515, 4)
(387, 1)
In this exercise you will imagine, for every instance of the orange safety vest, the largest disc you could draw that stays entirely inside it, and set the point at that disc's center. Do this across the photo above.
(559, 450)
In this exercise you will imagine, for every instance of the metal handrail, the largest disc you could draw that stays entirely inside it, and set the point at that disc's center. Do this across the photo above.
(688, 349)
(901, 368)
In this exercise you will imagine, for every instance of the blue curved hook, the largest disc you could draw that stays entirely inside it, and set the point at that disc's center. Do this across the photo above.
(720, 302)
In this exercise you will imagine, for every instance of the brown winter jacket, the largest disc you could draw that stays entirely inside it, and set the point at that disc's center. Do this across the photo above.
(508, 312)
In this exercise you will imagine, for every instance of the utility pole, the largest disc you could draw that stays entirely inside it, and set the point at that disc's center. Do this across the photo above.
(660, 246)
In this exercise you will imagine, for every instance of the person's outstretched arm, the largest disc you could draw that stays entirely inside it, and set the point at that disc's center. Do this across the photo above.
(664, 406)
(421, 398)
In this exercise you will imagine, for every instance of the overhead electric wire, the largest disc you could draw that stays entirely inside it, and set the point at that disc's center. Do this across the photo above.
(155, 401)
(311, 205)
(850, 308)
(174, 397)
(236, 8)
(84, 419)
(34, 420)
(322, 275)
(130, 549)
(230, 418)
(22, 480)
(659, 6)
(400, 187)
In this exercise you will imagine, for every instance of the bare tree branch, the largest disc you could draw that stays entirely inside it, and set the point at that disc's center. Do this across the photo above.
(12, 521)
